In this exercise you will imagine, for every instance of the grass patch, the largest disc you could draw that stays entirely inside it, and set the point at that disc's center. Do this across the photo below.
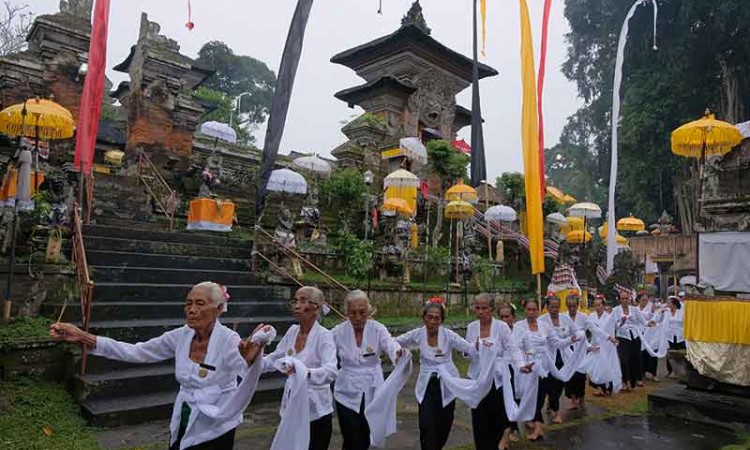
(40, 415)
(24, 329)
(622, 404)
(742, 444)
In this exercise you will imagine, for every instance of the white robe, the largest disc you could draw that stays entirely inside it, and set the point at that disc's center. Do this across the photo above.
(572, 353)
(216, 388)
(506, 351)
(603, 365)
(318, 361)
(580, 324)
(437, 360)
(361, 375)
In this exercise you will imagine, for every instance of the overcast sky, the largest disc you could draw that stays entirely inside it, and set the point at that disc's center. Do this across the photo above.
(258, 28)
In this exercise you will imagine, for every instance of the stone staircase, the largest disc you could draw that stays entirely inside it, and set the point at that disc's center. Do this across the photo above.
(142, 278)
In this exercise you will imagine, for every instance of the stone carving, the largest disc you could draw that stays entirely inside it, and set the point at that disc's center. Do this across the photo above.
(150, 32)
(415, 17)
(77, 8)
(434, 103)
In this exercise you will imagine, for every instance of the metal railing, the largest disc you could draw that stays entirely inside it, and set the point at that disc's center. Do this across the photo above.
(83, 277)
(149, 175)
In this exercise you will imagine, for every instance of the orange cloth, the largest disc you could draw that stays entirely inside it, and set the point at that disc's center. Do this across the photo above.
(10, 184)
(210, 214)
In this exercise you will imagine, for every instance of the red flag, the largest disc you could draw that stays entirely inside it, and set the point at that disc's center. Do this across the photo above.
(540, 90)
(424, 188)
(93, 89)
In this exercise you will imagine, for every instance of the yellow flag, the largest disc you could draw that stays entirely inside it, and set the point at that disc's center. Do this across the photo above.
(530, 142)
(483, 11)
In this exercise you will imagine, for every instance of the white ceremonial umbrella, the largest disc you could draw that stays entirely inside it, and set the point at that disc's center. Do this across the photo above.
(218, 130)
(287, 181)
(500, 213)
(401, 178)
(313, 164)
(414, 149)
(557, 219)
(586, 210)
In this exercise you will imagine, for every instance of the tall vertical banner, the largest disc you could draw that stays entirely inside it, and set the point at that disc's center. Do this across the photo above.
(478, 162)
(483, 12)
(93, 89)
(530, 142)
(281, 97)
(619, 60)
(540, 88)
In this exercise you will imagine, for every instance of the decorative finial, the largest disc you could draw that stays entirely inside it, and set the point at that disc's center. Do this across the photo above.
(415, 17)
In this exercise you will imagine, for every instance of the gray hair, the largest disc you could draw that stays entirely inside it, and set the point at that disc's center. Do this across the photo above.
(485, 296)
(215, 292)
(314, 295)
(355, 295)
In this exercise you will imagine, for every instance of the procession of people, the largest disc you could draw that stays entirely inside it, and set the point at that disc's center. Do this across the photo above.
(517, 365)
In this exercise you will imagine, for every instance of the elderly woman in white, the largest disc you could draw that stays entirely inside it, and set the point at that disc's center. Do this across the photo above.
(360, 342)
(208, 359)
(489, 419)
(307, 354)
(436, 402)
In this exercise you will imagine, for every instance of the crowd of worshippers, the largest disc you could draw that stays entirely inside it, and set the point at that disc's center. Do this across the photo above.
(516, 366)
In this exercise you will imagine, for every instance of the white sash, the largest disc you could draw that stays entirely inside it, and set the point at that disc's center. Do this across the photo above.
(471, 391)
(294, 429)
(381, 411)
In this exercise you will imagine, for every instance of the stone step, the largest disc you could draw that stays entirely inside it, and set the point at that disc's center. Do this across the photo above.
(124, 292)
(114, 274)
(159, 310)
(143, 329)
(128, 259)
(131, 410)
(144, 380)
(164, 247)
(177, 236)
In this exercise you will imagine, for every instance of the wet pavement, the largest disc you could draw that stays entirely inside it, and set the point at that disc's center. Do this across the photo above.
(619, 422)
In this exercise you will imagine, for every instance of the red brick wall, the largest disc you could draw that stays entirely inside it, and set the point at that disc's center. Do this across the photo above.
(154, 127)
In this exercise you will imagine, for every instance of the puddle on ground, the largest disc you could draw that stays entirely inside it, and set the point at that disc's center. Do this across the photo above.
(640, 432)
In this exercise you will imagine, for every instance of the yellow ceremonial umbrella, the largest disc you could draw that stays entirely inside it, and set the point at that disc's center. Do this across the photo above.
(577, 237)
(458, 209)
(570, 199)
(619, 239)
(575, 223)
(705, 137)
(462, 192)
(398, 206)
(630, 224)
(37, 118)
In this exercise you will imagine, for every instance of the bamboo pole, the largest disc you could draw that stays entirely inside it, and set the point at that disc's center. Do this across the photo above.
(539, 287)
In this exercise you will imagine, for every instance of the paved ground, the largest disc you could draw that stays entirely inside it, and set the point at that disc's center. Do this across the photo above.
(620, 422)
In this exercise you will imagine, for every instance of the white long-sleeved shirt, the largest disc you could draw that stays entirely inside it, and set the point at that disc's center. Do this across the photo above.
(500, 334)
(676, 324)
(627, 326)
(319, 356)
(215, 385)
(601, 327)
(361, 372)
(536, 345)
(564, 331)
(431, 358)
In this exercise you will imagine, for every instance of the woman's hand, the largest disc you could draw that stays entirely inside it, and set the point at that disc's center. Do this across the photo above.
(399, 353)
(613, 340)
(527, 368)
(67, 332)
(250, 350)
(574, 339)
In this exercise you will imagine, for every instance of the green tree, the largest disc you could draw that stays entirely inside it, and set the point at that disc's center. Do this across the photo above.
(222, 107)
(702, 61)
(446, 162)
(345, 191)
(239, 74)
(512, 187)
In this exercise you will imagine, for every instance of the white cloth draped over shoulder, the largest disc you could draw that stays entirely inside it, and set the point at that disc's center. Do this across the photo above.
(361, 375)
(603, 364)
(437, 360)
(381, 411)
(579, 321)
(506, 351)
(318, 361)
(562, 339)
(201, 388)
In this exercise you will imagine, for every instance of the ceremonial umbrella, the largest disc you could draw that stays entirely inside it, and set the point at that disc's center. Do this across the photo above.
(462, 146)
(620, 240)
(556, 194)
(498, 213)
(401, 178)
(397, 206)
(586, 210)
(557, 219)
(705, 137)
(462, 192)
(458, 210)
(577, 237)
(219, 130)
(313, 164)
(287, 181)
(501, 213)
(413, 148)
(630, 224)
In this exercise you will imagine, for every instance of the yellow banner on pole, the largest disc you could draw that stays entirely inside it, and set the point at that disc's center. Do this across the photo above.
(530, 142)
(483, 11)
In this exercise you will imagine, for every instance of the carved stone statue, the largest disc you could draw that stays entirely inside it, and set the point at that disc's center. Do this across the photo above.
(434, 104)
(77, 8)
(415, 17)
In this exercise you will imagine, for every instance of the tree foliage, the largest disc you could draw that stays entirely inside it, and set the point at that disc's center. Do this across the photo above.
(239, 74)
(446, 162)
(15, 22)
(703, 61)
(345, 190)
(223, 108)
(512, 187)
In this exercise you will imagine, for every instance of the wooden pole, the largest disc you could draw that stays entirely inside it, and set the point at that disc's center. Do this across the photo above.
(539, 288)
